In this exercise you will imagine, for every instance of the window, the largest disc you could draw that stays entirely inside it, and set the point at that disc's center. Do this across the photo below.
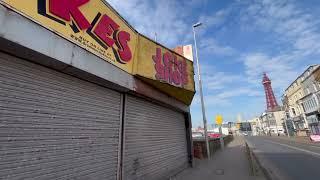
(307, 90)
(311, 103)
(298, 110)
(293, 112)
(287, 115)
(304, 106)
(315, 87)
(315, 102)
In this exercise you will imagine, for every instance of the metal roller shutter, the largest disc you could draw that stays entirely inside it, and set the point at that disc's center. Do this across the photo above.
(155, 141)
(55, 126)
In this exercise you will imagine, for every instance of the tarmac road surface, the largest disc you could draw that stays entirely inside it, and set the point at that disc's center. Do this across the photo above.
(286, 158)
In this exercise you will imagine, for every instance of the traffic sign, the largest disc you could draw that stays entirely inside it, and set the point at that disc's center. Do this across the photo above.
(219, 119)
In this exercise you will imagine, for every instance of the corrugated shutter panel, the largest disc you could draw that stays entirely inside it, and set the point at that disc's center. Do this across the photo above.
(155, 141)
(54, 126)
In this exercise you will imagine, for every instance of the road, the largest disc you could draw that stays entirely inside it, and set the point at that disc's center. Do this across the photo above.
(289, 159)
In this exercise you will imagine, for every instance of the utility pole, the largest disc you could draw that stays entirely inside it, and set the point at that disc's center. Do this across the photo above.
(200, 91)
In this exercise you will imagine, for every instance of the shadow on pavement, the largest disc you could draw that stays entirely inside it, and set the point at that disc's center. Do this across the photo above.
(231, 163)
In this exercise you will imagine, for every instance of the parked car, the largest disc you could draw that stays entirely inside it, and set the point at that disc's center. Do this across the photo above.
(214, 135)
(197, 134)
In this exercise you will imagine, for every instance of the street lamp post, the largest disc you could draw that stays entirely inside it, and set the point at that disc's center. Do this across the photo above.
(200, 89)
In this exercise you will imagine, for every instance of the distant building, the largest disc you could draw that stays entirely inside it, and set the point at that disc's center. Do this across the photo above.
(311, 98)
(293, 104)
(271, 122)
(256, 126)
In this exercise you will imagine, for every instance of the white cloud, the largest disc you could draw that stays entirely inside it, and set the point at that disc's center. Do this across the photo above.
(292, 25)
(211, 100)
(166, 19)
(239, 91)
(281, 69)
(222, 87)
(211, 46)
(196, 3)
(219, 80)
(214, 79)
(215, 19)
(224, 98)
(295, 29)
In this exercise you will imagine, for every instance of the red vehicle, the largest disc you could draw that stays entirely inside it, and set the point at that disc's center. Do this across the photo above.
(214, 135)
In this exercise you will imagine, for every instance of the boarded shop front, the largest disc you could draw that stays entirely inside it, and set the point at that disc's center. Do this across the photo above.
(61, 123)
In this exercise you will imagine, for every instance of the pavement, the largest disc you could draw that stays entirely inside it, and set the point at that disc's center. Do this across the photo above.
(228, 164)
(284, 158)
(300, 139)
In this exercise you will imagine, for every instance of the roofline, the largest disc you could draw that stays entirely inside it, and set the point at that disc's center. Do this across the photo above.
(301, 75)
(312, 72)
(316, 69)
(163, 46)
(122, 18)
(133, 29)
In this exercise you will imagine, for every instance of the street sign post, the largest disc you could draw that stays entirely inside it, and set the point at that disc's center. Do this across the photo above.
(219, 120)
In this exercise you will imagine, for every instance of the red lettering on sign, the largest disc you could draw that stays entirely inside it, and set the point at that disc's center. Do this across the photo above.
(167, 62)
(106, 32)
(176, 74)
(157, 59)
(105, 29)
(67, 8)
(184, 72)
(170, 69)
(124, 49)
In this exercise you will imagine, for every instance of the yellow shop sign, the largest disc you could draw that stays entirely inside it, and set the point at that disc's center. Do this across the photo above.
(98, 28)
(91, 24)
(165, 69)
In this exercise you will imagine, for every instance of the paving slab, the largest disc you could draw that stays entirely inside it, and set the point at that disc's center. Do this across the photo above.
(231, 163)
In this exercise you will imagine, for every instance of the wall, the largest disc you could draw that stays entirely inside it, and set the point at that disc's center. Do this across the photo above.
(200, 150)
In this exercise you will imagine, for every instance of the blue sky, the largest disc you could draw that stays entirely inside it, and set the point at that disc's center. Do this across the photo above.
(239, 40)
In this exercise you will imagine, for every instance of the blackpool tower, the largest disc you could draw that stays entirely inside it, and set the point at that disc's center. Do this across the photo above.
(272, 104)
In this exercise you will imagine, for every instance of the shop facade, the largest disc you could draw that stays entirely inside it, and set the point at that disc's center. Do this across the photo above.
(85, 96)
